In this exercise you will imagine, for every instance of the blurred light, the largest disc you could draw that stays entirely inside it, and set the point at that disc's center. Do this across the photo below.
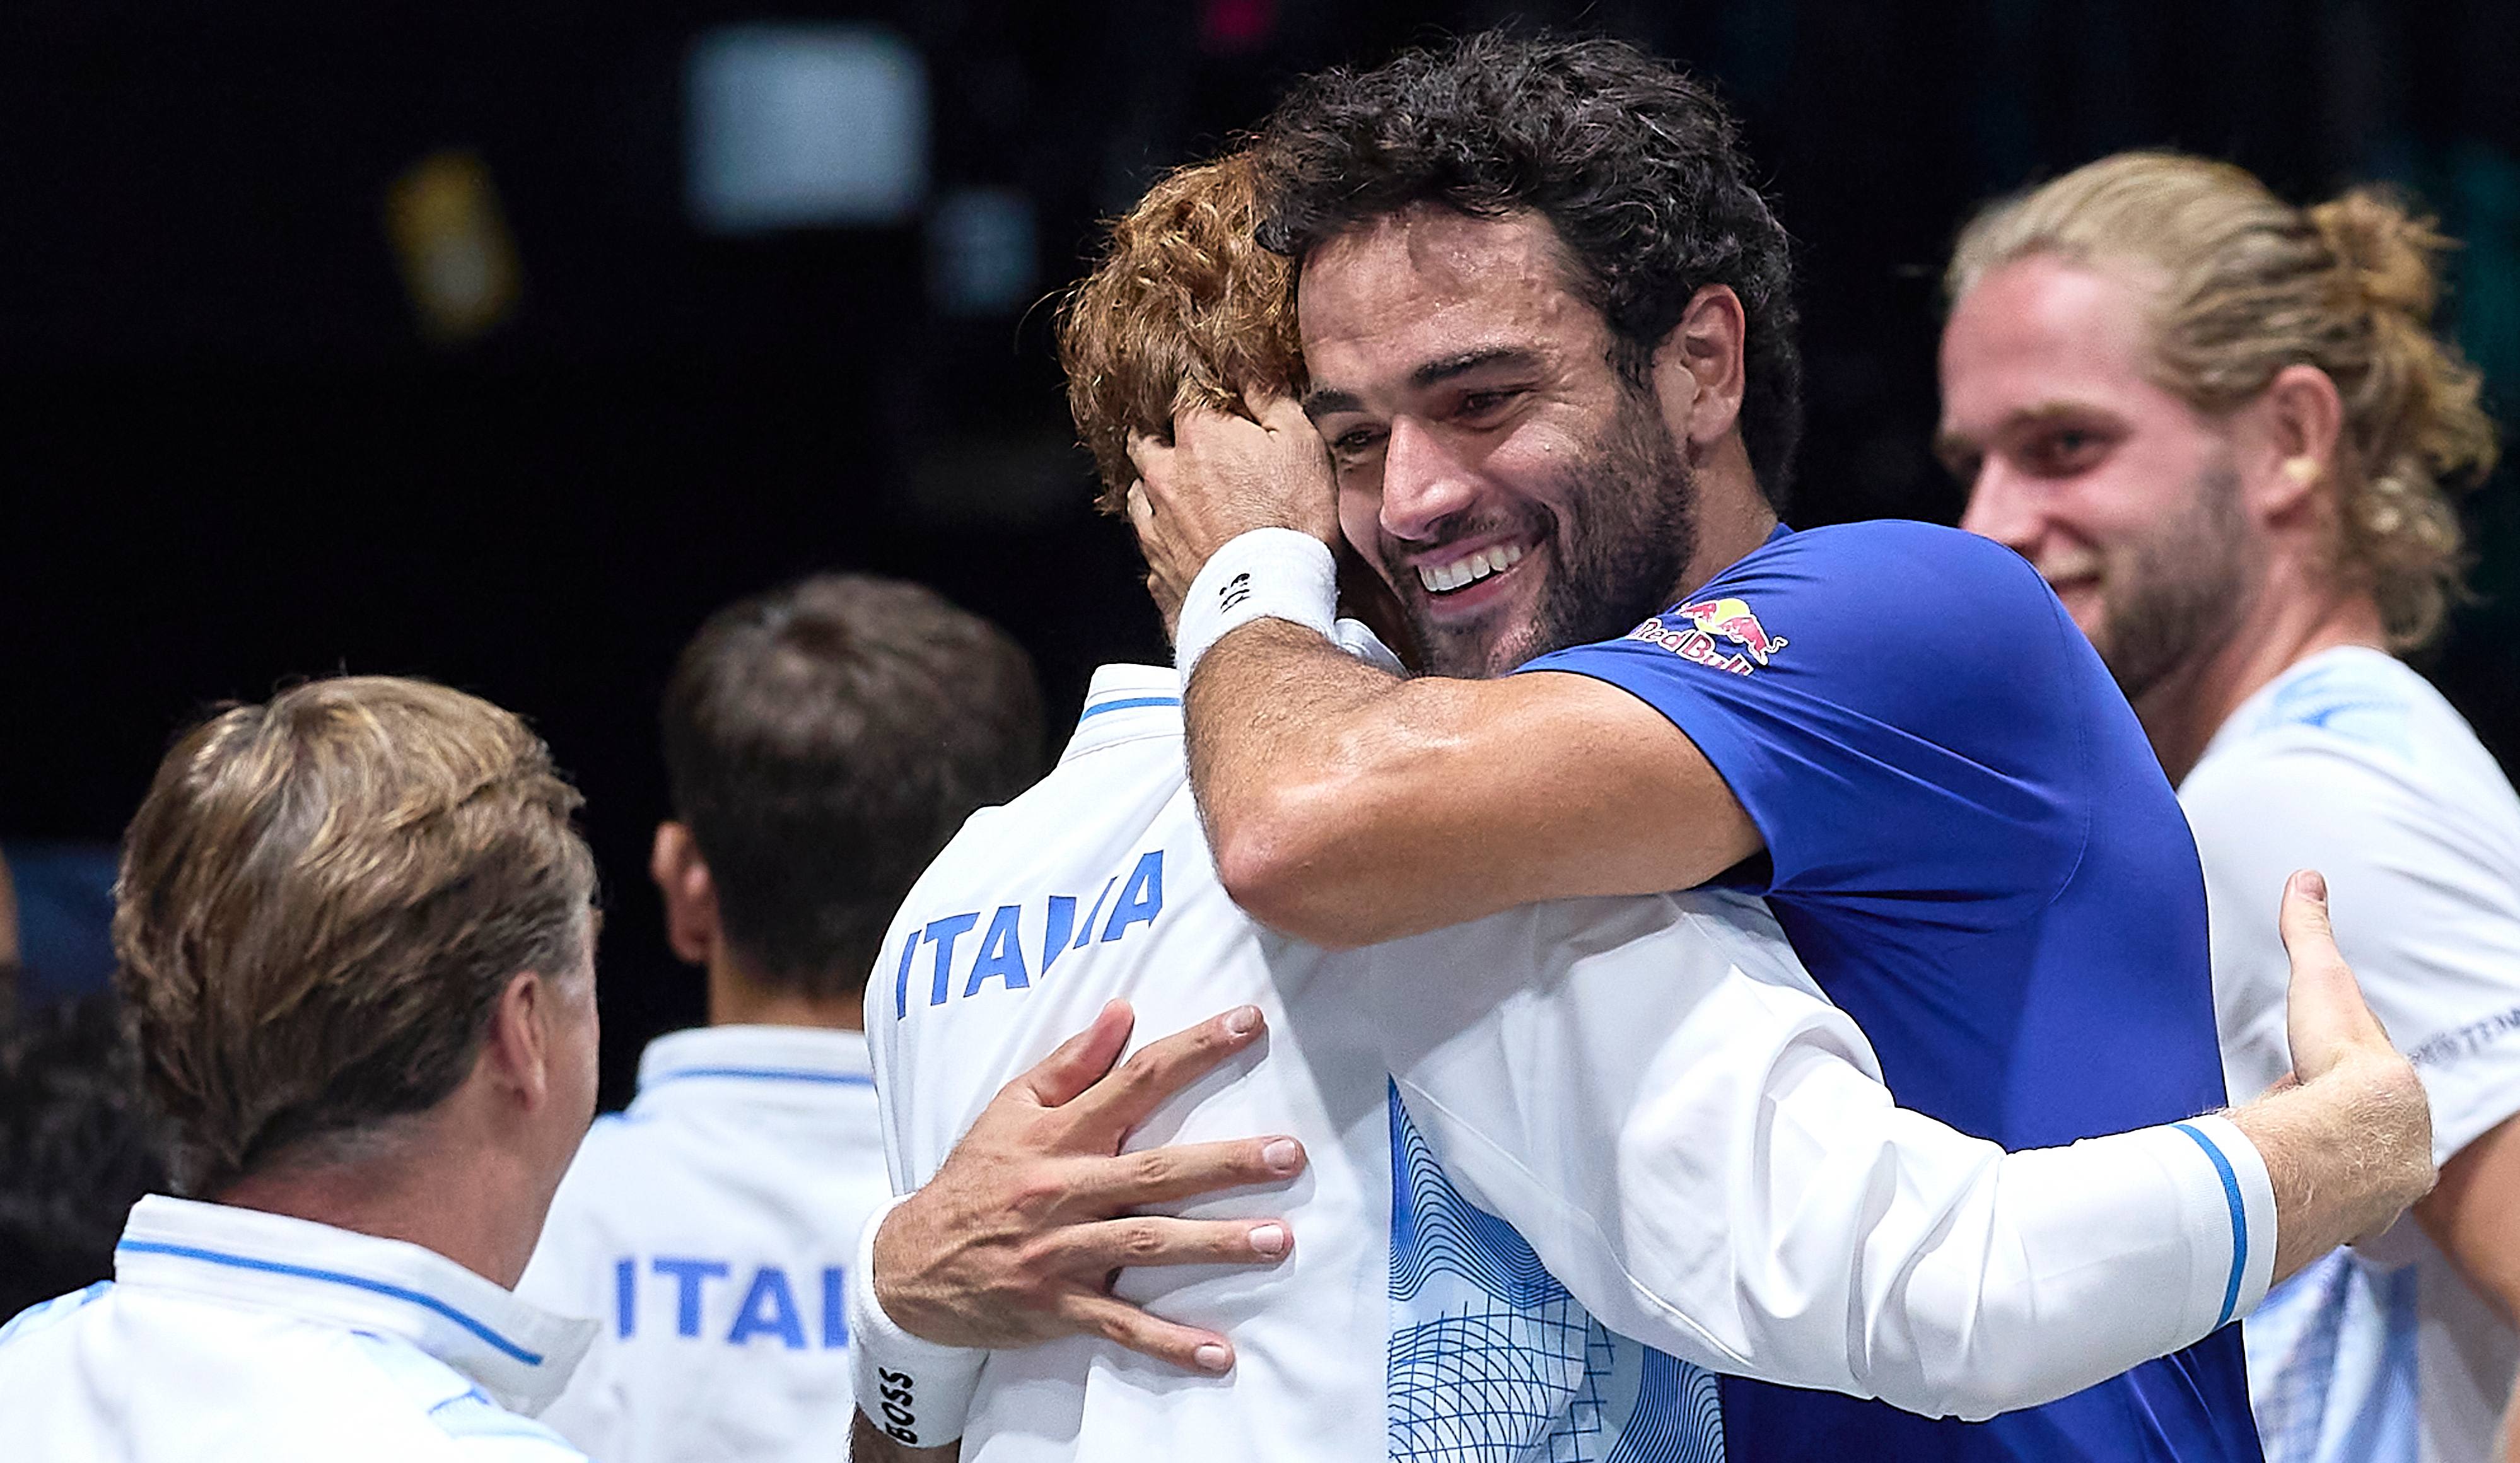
(982, 256)
(1230, 28)
(801, 124)
(459, 263)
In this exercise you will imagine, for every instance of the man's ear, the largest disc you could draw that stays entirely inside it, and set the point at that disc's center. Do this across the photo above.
(691, 896)
(1701, 369)
(2292, 463)
(520, 1048)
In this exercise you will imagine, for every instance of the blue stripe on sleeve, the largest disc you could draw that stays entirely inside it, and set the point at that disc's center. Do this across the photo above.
(2239, 1220)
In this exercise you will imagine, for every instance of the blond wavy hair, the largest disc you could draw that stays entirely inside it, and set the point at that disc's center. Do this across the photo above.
(1186, 309)
(320, 900)
(2249, 285)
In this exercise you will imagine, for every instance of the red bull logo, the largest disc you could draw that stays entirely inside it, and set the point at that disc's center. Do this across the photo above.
(1727, 620)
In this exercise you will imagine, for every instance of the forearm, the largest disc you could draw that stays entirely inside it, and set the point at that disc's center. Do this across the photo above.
(869, 1444)
(1307, 763)
(1347, 806)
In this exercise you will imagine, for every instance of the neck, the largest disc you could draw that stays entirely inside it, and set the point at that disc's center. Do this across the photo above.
(421, 1183)
(2181, 712)
(1733, 517)
(738, 997)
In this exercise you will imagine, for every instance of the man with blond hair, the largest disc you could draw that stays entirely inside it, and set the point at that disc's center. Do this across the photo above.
(2225, 431)
(357, 947)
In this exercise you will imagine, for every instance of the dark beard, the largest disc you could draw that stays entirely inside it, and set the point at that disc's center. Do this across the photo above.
(1626, 531)
(2183, 591)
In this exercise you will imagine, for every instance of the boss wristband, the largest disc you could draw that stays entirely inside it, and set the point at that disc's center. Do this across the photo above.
(914, 1392)
(1268, 573)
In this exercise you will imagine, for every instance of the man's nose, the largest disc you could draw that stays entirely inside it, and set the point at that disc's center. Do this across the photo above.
(2003, 507)
(1422, 482)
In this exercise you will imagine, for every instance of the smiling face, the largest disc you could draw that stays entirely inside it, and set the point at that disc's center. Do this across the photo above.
(2123, 494)
(1515, 489)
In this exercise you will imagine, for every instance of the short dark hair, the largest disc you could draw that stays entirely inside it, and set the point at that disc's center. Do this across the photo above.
(1638, 168)
(825, 740)
(79, 1144)
(321, 897)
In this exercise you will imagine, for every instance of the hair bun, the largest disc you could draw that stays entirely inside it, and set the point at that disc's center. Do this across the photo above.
(2387, 251)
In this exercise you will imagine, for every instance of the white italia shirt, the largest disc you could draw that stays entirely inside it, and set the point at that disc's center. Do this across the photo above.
(707, 1228)
(1540, 1145)
(231, 1335)
(2352, 764)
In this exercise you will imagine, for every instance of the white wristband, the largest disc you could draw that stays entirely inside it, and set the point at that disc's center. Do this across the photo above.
(1270, 573)
(914, 1391)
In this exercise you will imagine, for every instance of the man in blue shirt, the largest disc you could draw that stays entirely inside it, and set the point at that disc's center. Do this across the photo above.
(1547, 325)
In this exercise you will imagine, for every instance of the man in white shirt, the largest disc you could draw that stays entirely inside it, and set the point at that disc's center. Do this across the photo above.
(1693, 1146)
(2222, 428)
(357, 946)
(823, 740)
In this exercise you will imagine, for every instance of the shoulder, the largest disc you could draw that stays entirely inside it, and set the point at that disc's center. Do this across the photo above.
(44, 1316)
(2353, 739)
(434, 1410)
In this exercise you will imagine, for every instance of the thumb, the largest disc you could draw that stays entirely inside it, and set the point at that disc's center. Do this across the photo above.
(2325, 1016)
(1276, 409)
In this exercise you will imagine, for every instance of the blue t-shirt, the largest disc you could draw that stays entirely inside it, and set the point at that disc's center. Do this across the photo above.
(1972, 847)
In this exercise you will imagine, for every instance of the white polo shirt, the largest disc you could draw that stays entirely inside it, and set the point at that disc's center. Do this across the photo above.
(2352, 764)
(1626, 1123)
(231, 1335)
(708, 1228)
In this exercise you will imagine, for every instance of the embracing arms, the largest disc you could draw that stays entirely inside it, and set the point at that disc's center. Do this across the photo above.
(1348, 805)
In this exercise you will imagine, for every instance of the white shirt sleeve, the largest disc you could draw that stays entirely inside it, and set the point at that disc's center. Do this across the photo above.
(2419, 889)
(1699, 1147)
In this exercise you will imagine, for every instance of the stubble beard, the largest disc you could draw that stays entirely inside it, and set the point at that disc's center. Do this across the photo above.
(1626, 530)
(2183, 591)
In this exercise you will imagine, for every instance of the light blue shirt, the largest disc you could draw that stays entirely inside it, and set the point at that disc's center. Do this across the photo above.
(229, 1334)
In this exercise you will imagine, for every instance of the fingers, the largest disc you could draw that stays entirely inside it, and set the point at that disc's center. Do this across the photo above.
(1121, 1101)
(1152, 456)
(1160, 1176)
(2326, 1019)
(1184, 1346)
(1276, 411)
(1108, 1245)
(1082, 1060)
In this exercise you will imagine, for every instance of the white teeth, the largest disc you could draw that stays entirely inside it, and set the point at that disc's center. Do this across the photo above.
(1468, 569)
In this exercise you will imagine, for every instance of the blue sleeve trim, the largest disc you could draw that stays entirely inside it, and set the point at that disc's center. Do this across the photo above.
(1130, 704)
(335, 1277)
(2239, 1220)
(768, 1073)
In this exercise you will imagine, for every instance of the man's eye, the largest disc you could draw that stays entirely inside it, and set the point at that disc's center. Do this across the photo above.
(1354, 441)
(1485, 403)
(2067, 450)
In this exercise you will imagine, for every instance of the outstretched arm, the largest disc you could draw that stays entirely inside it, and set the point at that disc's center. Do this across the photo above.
(1348, 805)
(1739, 1190)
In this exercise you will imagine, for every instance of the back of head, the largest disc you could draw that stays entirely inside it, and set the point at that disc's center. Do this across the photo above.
(2246, 284)
(1638, 168)
(321, 897)
(824, 741)
(78, 1146)
(1185, 310)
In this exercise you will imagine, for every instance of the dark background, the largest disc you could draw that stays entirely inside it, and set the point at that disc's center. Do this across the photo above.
(231, 456)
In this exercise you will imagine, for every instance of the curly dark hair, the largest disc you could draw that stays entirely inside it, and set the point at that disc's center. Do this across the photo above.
(1638, 167)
